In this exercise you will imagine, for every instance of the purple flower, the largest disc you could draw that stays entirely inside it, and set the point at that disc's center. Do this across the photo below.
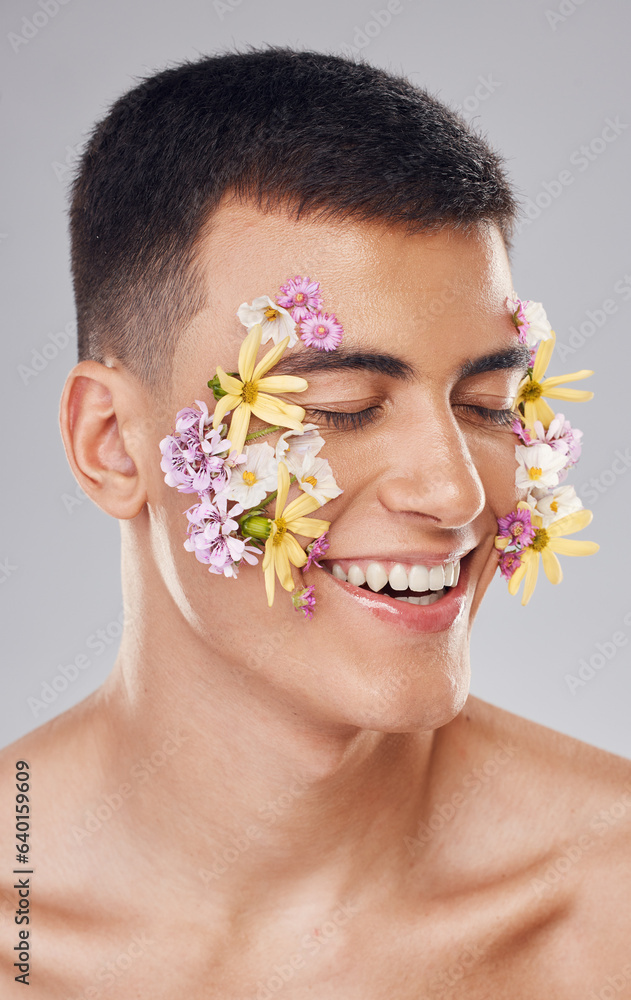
(321, 331)
(301, 295)
(304, 600)
(316, 551)
(561, 436)
(509, 562)
(518, 527)
(191, 458)
(522, 432)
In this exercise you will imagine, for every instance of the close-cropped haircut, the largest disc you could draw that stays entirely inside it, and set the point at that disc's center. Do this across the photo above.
(318, 135)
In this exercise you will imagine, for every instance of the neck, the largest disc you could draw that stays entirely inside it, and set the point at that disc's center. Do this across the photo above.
(240, 789)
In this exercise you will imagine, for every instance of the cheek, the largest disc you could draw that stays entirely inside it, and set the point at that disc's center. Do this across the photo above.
(494, 458)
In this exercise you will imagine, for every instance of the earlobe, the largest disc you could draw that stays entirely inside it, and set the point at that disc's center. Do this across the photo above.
(95, 406)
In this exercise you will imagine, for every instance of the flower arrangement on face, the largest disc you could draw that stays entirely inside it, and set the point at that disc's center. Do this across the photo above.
(230, 465)
(548, 447)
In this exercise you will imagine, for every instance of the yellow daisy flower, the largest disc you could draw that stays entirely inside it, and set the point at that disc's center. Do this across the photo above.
(532, 390)
(250, 394)
(281, 548)
(546, 544)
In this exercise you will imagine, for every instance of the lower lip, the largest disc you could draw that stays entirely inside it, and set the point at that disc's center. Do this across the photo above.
(435, 617)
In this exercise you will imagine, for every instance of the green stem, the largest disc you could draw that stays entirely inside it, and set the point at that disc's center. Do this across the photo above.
(258, 434)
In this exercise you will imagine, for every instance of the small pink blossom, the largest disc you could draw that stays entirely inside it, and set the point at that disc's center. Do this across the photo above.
(509, 562)
(316, 551)
(304, 600)
(302, 296)
(522, 432)
(518, 527)
(321, 331)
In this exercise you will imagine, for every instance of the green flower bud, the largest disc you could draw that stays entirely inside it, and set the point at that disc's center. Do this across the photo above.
(255, 525)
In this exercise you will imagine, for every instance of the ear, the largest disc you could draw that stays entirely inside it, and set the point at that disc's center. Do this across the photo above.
(98, 410)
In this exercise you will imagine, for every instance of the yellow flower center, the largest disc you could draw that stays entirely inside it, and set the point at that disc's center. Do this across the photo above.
(249, 392)
(249, 478)
(310, 479)
(271, 313)
(540, 540)
(517, 528)
(554, 506)
(299, 297)
(281, 527)
(535, 472)
(531, 391)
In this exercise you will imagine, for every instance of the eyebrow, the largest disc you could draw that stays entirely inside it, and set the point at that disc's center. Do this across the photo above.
(307, 363)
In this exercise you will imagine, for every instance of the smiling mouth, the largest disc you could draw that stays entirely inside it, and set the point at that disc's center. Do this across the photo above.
(413, 583)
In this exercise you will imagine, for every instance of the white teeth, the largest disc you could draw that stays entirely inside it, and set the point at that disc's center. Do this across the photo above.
(419, 578)
(425, 600)
(356, 575)
(398, 578)
(436, 578)
(338, 572)
(376, 576)
(456, 573)
(449, 574)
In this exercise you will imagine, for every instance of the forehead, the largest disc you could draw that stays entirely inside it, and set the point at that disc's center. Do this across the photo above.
(386, 286)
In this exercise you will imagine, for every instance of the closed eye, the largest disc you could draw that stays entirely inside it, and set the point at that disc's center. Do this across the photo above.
(353, 420)
(503, 418)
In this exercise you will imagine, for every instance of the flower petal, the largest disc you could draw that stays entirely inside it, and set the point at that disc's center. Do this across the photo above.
(560, 379)
(310, 527)
(295, 552)
(275, 411)
(229, 383)
(542, 358)
(551, 565)
(239, 426)
(270, 359)
(518, 575)
(577, 395)
(573, 547)
(228, 402)
(532, 569)
(270, 582)
(567, 525)
(283, 566)
(301, 505)
(282, 383)
(248, 352)
(283, 489)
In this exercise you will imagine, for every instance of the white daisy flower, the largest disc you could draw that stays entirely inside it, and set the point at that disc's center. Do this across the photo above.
(538, 465)
(315, 477)
(557, 503)
(255, 478)
(276, 322)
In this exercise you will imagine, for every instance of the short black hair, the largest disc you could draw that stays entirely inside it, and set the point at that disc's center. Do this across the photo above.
(315, 133)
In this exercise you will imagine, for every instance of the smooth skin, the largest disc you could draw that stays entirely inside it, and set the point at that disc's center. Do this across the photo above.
(317, 809)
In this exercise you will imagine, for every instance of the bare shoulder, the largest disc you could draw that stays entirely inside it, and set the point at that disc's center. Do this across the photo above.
(568, 809)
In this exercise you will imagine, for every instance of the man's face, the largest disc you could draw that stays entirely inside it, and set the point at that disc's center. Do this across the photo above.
(424, 478)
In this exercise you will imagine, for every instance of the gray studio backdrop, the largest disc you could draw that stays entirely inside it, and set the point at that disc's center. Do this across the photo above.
(548, 82)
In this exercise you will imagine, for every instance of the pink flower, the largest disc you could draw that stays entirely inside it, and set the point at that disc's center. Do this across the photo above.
(561, 436)
(518, 316)
(522, 432)
(304, 600)
(509, 562)
(316, 551)
(301, 295)
(191, 458)
(518, 527)
(321, 331)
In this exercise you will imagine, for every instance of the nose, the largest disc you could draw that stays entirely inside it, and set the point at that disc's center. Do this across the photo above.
(433, 473)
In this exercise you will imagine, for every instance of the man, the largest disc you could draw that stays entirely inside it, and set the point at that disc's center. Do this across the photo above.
(255, 803)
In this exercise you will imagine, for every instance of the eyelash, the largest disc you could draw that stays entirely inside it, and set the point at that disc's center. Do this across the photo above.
(502, 418)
